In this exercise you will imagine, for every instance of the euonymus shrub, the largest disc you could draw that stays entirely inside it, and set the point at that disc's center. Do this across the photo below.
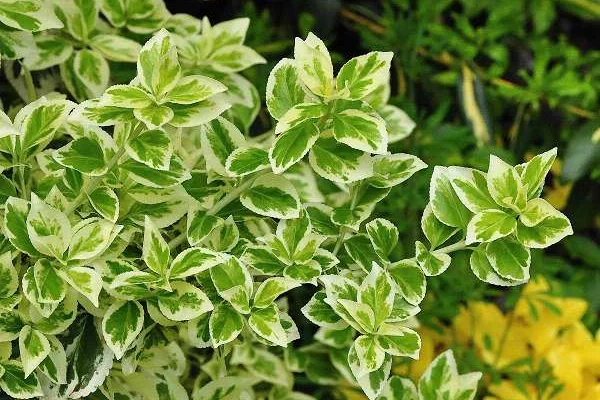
(149, 245)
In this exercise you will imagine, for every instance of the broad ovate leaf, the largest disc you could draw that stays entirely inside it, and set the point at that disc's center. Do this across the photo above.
(33, 347)
(272, 196)
(48, 228)
(155, 251)
(314, 65)
(184, 303)
(339, 163)
(489, 225)
(361, 75)
(445, 204)
(284, 88)
(121, 325)
(158, 66)
(393, 169)
(505, 185)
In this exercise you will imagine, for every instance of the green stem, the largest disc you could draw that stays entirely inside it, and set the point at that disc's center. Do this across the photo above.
(453, 247)
(31, 93)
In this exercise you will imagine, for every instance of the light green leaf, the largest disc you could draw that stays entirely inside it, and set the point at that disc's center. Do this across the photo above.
(121, 325)
(505, 185)
(393, 169)
(359, 315)
(233, 283)
(158, 67)
(353, 213)
(314, 65)
(194, 88)
(372, 383)
(272, 196)
(398, 388)
(49, 229)
(265, 322)
(410, 281)
(439, 378)
(153, 148)
(245, 161)
(96, 112)
(272, 288)
(363, 74)
(106, 202)
(489, 225)
(338, 162)
(39, 121)
(49, 285)
(190, 115)
(155, 252)
(84, 155)
(54, 365)
(32, 16)
(115, 47)
(432, 263)
(220, 138)
(303, 112)
(51, 51)
(292, 145)
(92, 70)
(383, 235)
(200, 225)
(224, 237)
(445, 204)
(33, 348)
(360, 128)
(284, 88)
(224, 325)
(509, 259)
(192, 261)
(184, 303)
(541, 225)
(16, 385)
(397, 123)
(234, 58)
(470, 185)
(9, 279)
(435, 231)
(377, 291)
(15, 225)
(533, 173)
(399, 341)
(320, 313)
(127, 96)
(483, 270)
(85, 280)
(370, 355)
(154, 116)
(144, 175)
(91, 238)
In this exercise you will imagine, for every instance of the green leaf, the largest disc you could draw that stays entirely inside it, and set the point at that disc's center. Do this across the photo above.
(121, 325)
(15, 225)
(489, 225)
(154, 116)
(370, 355)
(54, 365)
(16, 385)
(92, 70)
(391, 170)
(194, 88)
(263, 260)
(84, 155)
(85, 280)
(410, 281)
(192, 261)
(32, 16)
(50, 286)
(200, 225)
(33, 349)
(361, 251)
(359, 315)
(49, 229)
(320, 313)
(363, 74)
(360, 207)
(358, 126)
(509, 259)
(234, 58)
(272, 288)
(153, 148)
(127, 96)
(115, 47)
(224, 325)
(339, 163)
(284, 88)
(398, 388)
(398, 340)
(533, 173)
(39, 121)
(51, 51)
(9, 279)
(220, 138)
(233, 283)
(96, 112)
(155, 252)
(144, 175)
(541, 225)
(383, 235)
(158, 67)
(445, 204)
(106, 202)
(10, 325)
(190, 115)
(432, 263)
(505, 185)
(314, 65)
(272, 196)
(245, 161)
(298, 114)
(184, 303)
(436, 232)
(470, 185)
(377, 291)
(265, 322)
(397, 123)
(90, 239)
(372, 383)
(292, 145)
(483, 270)
(438, 380)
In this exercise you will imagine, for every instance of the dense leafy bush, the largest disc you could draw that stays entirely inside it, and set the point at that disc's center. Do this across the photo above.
(155, 247)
